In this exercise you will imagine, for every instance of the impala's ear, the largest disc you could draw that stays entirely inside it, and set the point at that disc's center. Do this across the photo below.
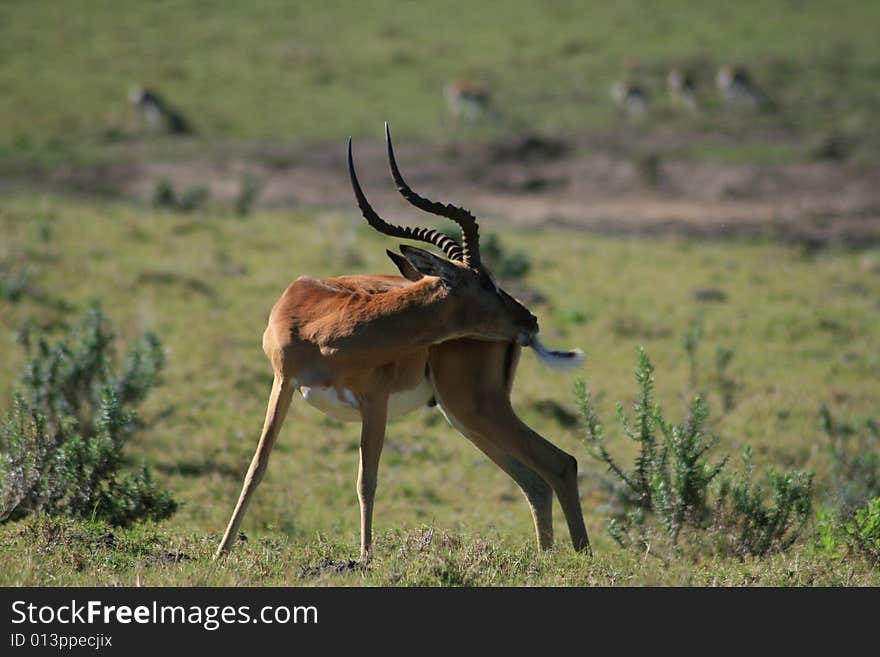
(430, 265)
(404, 266)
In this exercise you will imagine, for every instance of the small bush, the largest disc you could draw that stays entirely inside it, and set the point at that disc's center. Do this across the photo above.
(857, 533)
(61, 445)
(681, 482)
(724, 385)
(650, 168)
(14, 285)
(163, 195)
(671, 474)
(855, 460)
(828, 533)
(749, 525)
(863, 530)
(247, 193)
(192, 198)
(690, 340)
(674, 486)
(506, 265)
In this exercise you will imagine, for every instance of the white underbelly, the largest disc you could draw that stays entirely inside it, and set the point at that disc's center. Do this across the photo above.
(341, 403)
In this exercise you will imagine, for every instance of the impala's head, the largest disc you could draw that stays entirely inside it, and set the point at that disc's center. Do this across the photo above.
(480, 305)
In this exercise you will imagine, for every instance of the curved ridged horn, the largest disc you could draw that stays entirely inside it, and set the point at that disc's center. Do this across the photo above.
(470, 238)
(448, 245)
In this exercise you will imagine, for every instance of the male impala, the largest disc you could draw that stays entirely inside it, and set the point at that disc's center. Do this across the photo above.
(372, 347)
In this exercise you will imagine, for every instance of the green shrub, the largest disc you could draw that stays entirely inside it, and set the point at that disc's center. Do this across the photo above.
(247, 193)
(720, 379)
(672, 486)
(828, 533)
(863, 530)
(752, 527)
(725, 384)
(163, 195)
(671, 474)
(506, 265)
(61, 444)
(192, 198)
(858, 532)
(683, 476)
(14, 286)
(650, 167)
(690, 340)
(855, 460)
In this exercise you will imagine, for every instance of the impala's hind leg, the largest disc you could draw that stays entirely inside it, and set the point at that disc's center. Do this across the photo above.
(279, 402)
(559, 469)
(538, 493)
(493, 365)
(472, 380)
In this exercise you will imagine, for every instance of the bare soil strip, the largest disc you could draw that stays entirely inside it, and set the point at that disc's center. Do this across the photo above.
(533, 181)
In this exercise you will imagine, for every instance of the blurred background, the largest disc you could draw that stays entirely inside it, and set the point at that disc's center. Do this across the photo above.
(588, 113)
(698, 178)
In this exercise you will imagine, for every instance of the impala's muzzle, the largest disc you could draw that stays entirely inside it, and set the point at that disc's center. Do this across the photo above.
(526, 339)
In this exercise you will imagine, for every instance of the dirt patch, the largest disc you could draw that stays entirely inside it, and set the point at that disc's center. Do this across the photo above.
(535, 181)
(329, 566)
(161, 558)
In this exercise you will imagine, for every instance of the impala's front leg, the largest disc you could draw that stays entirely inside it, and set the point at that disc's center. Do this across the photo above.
(374, 413)
(279, 402)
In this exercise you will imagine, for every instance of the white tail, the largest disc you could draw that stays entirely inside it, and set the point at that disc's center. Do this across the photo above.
(558, 360)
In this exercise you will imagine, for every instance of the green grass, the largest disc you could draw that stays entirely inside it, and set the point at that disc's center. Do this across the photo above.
(271, 72)
(50, 553)
(804, 329)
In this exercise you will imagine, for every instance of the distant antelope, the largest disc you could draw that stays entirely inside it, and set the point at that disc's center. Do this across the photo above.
(156, 113)
(632, 99)
(682, 89)
(468, 100)
(737, 88)
(369, 348)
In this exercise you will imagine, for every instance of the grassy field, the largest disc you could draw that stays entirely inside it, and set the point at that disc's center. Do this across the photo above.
(803, 326)
(277, 73)
(268, 82)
